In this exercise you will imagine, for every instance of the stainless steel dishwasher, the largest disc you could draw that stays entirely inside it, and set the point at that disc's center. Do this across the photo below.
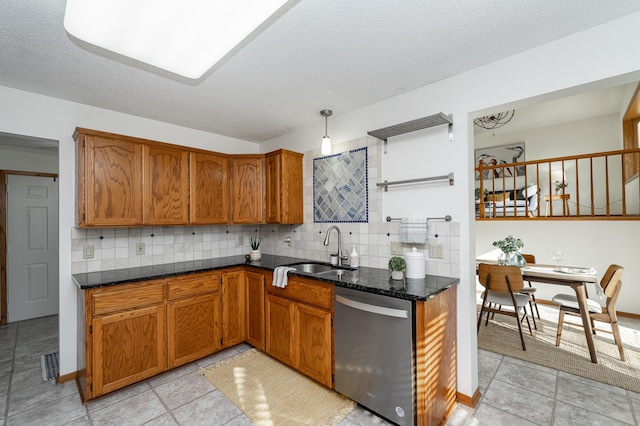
(374, 352)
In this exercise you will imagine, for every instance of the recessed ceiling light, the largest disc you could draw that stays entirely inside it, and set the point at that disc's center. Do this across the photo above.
(183, 37)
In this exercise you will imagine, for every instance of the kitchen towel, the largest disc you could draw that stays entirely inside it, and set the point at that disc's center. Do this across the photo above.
(280, 276)
(414, 230)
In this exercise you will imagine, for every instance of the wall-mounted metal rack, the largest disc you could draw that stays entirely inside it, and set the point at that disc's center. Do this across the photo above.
(414, 125)
(386, 183)
(447, 218)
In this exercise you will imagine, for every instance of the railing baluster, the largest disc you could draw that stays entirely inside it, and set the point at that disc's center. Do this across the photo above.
(623, 189)
(606, 168)
(577, 189)
(500, 179)
(593, 207)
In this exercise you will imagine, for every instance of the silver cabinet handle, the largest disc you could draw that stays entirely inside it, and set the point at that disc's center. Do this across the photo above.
(374, 309)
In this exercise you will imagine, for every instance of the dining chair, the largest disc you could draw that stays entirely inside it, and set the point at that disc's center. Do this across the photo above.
(502, 285)
(611, 285)
(530, 290)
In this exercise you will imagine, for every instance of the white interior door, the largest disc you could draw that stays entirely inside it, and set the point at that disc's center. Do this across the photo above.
(32, 247)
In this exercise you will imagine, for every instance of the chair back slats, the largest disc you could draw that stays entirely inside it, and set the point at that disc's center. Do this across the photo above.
(611, 284)
(529, 258)
(498, 278)
(610, 279)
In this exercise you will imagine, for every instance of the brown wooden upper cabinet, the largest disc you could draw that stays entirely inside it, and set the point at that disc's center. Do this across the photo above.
(166, 186)
(209, 188)
(247, 205)
(283, 181)
(127, 181)
(109, 180)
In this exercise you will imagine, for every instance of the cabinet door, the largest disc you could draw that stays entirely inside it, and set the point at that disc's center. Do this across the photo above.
(247, 193)
(193, 328)
(127, 347)
(166, 186)
(279, 314)
(291, 194)
(233, 308)
(109, 182)
(209, 189)
(314, 337)
(255, 309)
(283, 186)
(272, 187)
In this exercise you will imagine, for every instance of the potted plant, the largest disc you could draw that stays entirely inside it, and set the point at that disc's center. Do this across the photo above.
(510, 255)
(255, 248)
(397, 265)
(560, 185)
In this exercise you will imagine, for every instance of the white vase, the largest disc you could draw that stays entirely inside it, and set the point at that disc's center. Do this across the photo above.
(255, 255)
(397, 275)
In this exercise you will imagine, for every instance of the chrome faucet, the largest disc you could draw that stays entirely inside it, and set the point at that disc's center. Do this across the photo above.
(326, 243)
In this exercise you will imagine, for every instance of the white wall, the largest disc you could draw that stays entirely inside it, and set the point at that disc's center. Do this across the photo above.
(28, 161)
(595, 244)
(574, 138)
(581, 62)
(24, 113)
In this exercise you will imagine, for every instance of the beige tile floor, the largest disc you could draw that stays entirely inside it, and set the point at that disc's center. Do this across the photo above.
(514, 392)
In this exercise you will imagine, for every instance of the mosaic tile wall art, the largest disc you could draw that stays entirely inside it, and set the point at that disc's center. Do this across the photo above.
(340, 187)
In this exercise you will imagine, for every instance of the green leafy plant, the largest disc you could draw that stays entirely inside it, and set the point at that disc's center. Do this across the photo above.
(509, 244)
(477, 193)
(397, 263)
(560, 185)
(255, 242)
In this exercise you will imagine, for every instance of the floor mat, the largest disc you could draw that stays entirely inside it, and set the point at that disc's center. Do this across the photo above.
(270, 393)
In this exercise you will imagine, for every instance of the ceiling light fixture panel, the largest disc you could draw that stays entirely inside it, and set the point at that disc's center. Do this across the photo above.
(183, 37)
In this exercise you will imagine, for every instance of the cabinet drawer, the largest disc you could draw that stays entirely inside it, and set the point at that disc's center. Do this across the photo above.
(304, 290)
(192, 285)
(127, 297)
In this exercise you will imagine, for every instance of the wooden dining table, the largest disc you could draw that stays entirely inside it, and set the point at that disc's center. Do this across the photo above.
(565, 276)
(549, 274)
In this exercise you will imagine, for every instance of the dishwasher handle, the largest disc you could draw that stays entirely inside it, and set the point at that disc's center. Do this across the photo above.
(374, 309)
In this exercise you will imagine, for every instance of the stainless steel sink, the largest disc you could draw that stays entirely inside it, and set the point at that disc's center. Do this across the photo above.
(317, 268)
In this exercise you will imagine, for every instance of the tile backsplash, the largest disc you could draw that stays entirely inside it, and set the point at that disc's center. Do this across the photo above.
(115, 248)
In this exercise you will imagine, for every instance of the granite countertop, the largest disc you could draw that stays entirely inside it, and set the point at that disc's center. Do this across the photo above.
(371, 280)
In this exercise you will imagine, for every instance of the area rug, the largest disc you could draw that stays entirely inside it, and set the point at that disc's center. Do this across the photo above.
(272, 394)
(501, 336)
(49, 364)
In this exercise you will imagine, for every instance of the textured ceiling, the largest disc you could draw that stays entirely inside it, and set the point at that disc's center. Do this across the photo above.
(340, 55)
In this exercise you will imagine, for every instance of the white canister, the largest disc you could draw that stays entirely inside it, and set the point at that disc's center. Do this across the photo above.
(415, 264)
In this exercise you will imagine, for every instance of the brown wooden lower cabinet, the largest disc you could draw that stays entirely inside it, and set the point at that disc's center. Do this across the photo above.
(135, 331)
(436, 357)
(233, 307)
(127, 347)
(193, 328)
(279, 316)
(315, 343)
(254, 294)
(299, 331)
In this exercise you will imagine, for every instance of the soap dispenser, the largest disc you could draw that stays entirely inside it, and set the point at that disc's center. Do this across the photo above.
(354, 258)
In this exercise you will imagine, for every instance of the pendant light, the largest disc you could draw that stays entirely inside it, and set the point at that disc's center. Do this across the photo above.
(326, 140)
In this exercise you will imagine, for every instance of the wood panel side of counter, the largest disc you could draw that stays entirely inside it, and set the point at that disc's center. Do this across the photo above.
(436, 357)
